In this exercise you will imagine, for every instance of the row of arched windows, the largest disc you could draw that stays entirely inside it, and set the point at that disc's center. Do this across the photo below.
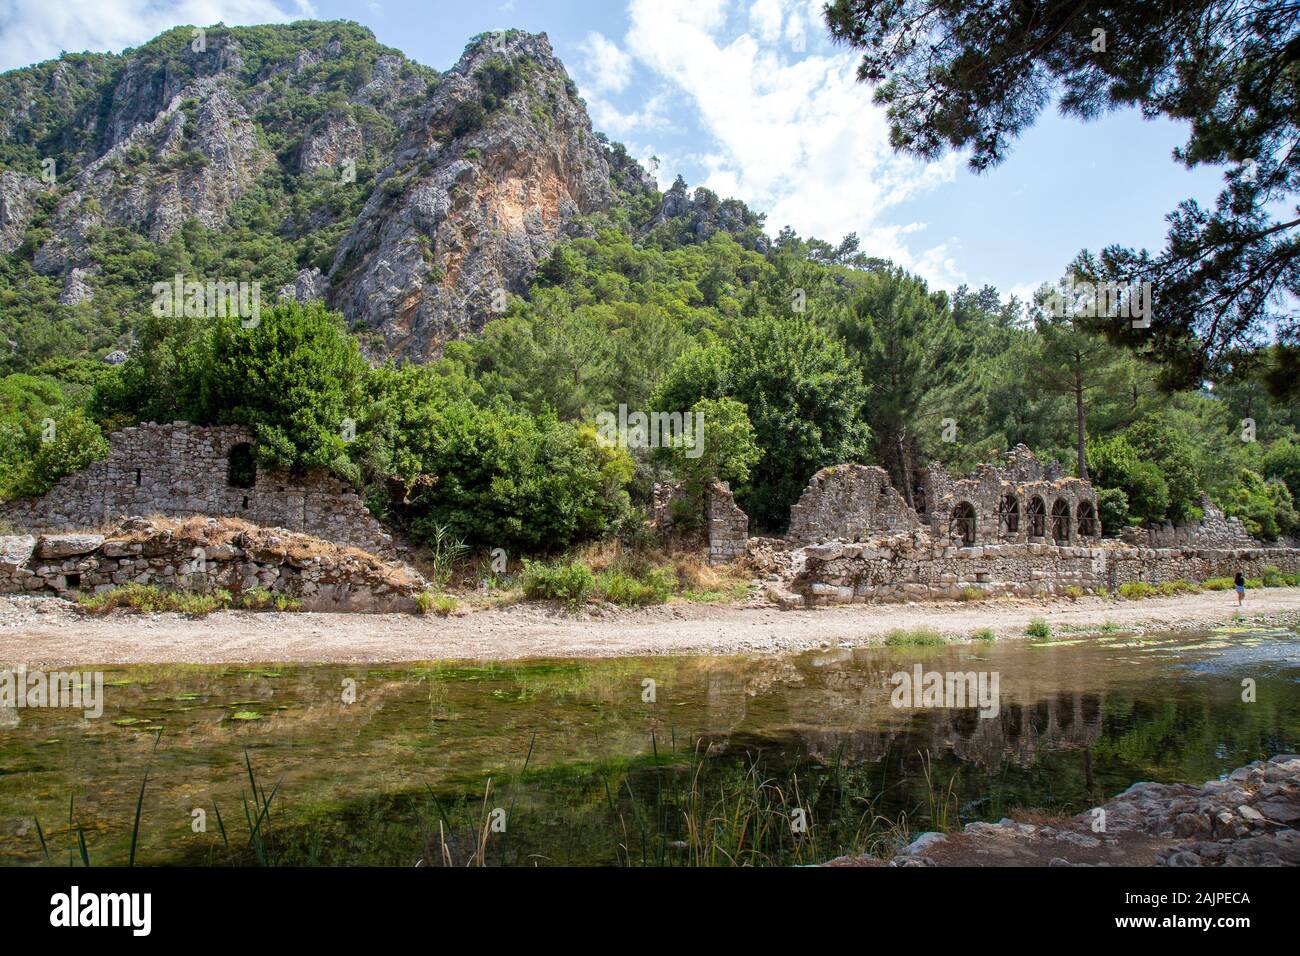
(1062, 523)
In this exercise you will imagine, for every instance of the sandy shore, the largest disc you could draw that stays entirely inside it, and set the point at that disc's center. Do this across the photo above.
(46, 632)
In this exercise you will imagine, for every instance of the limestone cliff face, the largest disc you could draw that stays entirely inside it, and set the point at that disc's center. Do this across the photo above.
(460, 182)
(466, 211)
(17, 204)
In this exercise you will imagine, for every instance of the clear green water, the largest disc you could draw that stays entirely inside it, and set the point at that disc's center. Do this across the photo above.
(608, 776)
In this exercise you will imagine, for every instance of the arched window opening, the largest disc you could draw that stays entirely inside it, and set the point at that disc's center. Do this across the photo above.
(1037, 518)
(1088, 526)
(241, 466)
(963, 523)
(1061, 521)
(1008, 515)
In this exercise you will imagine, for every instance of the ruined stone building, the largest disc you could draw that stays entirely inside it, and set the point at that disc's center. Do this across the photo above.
(1019, 502)
(180, 470)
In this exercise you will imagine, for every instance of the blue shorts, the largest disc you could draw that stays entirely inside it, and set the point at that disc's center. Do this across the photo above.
(1241, 589)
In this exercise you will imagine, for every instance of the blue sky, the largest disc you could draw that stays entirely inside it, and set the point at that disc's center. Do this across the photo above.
(750, 98)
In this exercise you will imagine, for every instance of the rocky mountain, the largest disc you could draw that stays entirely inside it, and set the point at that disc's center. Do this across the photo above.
(314, 160)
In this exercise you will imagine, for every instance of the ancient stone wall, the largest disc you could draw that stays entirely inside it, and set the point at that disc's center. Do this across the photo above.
(728, 525)
(1214, 530)
(180, 470)
(912, 567)
(1018, 502)
(204, 555)
(850, 503)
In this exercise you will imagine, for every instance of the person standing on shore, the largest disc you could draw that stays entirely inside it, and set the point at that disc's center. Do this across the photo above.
(1239, 582)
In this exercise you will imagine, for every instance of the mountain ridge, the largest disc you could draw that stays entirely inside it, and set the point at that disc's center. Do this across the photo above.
(312, 158)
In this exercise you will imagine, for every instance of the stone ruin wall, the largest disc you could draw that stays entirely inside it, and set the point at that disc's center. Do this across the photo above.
(861, 542)
(182, 470)
(321, 576)
(849, 502)
(726, 530)
(1214, 530)
(992, 506)
(728, 525)
(1019, 502)
(911, 568)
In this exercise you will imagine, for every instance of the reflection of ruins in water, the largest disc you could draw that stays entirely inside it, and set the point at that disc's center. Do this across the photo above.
(836, 704)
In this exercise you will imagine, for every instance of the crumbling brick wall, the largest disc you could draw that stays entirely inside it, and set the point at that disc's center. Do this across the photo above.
(181, 470)
(726, 526)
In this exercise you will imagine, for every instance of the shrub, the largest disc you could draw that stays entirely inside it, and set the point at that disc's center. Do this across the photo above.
(972, 594)
(1265, 507)
(1174, 588)
(1218, 584)
(293, 378)
(1074, 592)
(1273, 578)
(1135, 590)
(150, 599)
(75, 443)
(1038, 627)
(1112, 509)
(921, 636)
(488, 476)
(622, 588)
(570, 582)
(984, 634)
(427, 602)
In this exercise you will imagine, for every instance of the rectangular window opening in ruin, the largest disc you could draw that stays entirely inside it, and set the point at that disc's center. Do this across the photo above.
(245, 502)
(137, 477)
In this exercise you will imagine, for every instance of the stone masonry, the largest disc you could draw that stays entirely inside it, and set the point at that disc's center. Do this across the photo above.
(850, 502)
(1212, 531)
(205, 554)
(726, 526)
(181, 470)
(913, 567)
(1018, 502)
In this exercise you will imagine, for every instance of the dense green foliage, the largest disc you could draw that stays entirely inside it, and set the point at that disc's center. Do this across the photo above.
(798, 352)
(976, 75)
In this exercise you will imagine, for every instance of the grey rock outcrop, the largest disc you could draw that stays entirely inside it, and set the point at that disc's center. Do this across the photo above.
(204, 152)
(308, 285)
(76, 289)
(17, 206)
(466, 211)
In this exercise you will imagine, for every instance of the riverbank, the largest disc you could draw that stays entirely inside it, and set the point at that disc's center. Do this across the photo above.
(49, 632)
(1249, 819)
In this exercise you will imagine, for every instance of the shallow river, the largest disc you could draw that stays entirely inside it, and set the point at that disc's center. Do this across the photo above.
(672, 760)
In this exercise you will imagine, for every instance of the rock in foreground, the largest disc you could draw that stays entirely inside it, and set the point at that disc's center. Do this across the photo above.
(1249, 819)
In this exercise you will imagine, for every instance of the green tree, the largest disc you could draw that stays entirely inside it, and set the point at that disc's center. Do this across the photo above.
(1117, 466)
(1265, 507)
(914, 357)
(1074, 361)
(975, 76)
(75, 442)
(727, 450)
(295, 378)
(803, 394)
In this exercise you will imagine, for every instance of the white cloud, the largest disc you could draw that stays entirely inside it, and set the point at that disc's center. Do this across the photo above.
(793, 134)
(608, 118)
(35, 30)
(609, 67)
